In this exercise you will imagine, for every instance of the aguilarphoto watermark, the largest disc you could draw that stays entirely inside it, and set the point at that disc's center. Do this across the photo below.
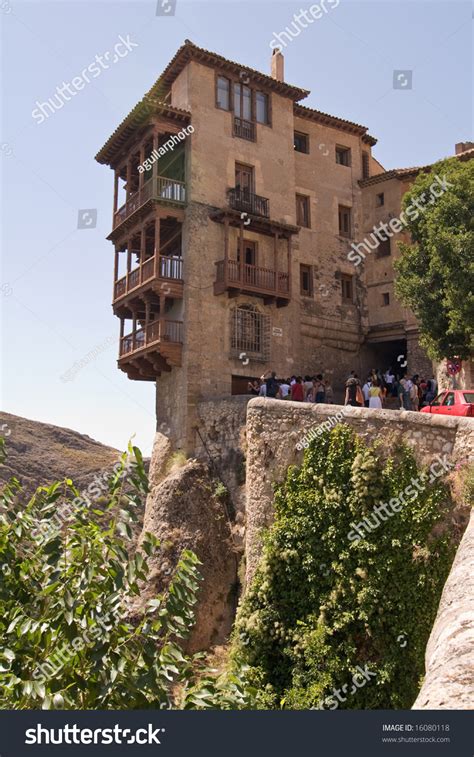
(169, 145)
(72, 372)
(396, 225)
(40, 113)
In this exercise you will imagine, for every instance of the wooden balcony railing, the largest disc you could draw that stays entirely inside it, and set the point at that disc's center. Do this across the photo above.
(160, 331)
(168, 268)
(156, 188)
(252, 278)
(242, 199)
(244, 129)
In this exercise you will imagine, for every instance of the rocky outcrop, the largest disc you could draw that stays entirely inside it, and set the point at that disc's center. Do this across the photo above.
(449, 681)
(187, 510)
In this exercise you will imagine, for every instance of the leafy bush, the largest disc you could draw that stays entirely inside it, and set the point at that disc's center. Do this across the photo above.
(324, 606)
(68, 639)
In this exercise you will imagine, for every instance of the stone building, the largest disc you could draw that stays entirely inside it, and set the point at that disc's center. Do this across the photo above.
(235, 208)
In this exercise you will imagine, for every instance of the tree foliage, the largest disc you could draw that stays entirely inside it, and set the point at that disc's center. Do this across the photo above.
(65, 594)
(322, 606)
(436, 272)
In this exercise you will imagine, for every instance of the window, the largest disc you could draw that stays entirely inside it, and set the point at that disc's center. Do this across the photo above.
(449, 399)
(243, 101)
(379, 200)
(244, 178)
(301, 142)
(261, 108)
(365, 165)
(250, 252)
(469, 397)
(347, 288)
(438, 399)
(344, 221)
(343, 156)
(302, 211)
(223, 93)
(385, 299)
(306, 281)
(250, 332)
(384, 249)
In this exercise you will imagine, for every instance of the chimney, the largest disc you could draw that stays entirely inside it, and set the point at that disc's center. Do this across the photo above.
(463, 146)
(278, 65)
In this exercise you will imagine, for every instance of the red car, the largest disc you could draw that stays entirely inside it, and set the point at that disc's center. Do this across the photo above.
(452, 402)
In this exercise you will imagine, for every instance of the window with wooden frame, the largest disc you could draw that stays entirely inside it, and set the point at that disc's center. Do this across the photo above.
(347, 287)
(262, 108)
(242, 101)
(223, 93)
(345, 224)
(303, 211)
(343, 155)
(365, 165)
(385, 299)
(250, 252)
(306, 281)
(244, 178)
(384, 249)
(379, 200)
(301, 142)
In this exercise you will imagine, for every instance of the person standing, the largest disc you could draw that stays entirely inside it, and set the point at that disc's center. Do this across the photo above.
(272, 386)
(307, 388)
(297, 393)
(352, 396)
(375, 395)
(365, 391)
(319, 389)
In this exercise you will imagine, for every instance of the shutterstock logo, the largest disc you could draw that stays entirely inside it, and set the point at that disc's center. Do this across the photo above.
(72, 734)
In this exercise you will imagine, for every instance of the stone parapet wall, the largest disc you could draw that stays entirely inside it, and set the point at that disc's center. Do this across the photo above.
(275, 427)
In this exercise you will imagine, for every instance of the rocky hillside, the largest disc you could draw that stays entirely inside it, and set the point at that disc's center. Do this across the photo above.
(39, 453)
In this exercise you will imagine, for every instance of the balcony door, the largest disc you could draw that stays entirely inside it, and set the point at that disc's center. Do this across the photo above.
(244, 179)
(243, 102)
(250, 252)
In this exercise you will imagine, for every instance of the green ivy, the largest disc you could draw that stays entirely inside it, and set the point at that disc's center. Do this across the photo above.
(322, 606)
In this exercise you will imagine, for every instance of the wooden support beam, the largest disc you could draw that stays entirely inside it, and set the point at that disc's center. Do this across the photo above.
(241, 247)
(157, 246)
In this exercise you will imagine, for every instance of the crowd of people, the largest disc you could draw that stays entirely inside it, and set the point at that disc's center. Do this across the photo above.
(408, 394)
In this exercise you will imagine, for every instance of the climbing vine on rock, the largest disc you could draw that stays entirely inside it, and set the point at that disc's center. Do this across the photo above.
(332, 620)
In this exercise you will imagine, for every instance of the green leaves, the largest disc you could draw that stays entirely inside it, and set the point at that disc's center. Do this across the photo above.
(69, 637)
(436, 273)
(322, 603)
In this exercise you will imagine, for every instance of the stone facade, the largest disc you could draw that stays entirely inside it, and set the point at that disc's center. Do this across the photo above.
(275, 427)
(307, 208)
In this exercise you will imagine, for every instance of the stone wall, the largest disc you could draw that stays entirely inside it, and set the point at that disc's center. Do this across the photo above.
(449, 681)
(275, 427)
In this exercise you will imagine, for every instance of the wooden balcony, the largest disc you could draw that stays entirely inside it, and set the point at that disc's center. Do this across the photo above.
(243, 200)
(150, 350)
(164, 275)
(159, 188)
(234, 278)
(244, 129)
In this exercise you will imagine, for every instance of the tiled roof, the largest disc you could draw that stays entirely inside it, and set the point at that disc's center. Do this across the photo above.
(189, 51)
(339, 123)
(153, 100)
(406, 173)
(137, 117)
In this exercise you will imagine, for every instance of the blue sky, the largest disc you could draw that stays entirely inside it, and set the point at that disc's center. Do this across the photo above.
(56, 279)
